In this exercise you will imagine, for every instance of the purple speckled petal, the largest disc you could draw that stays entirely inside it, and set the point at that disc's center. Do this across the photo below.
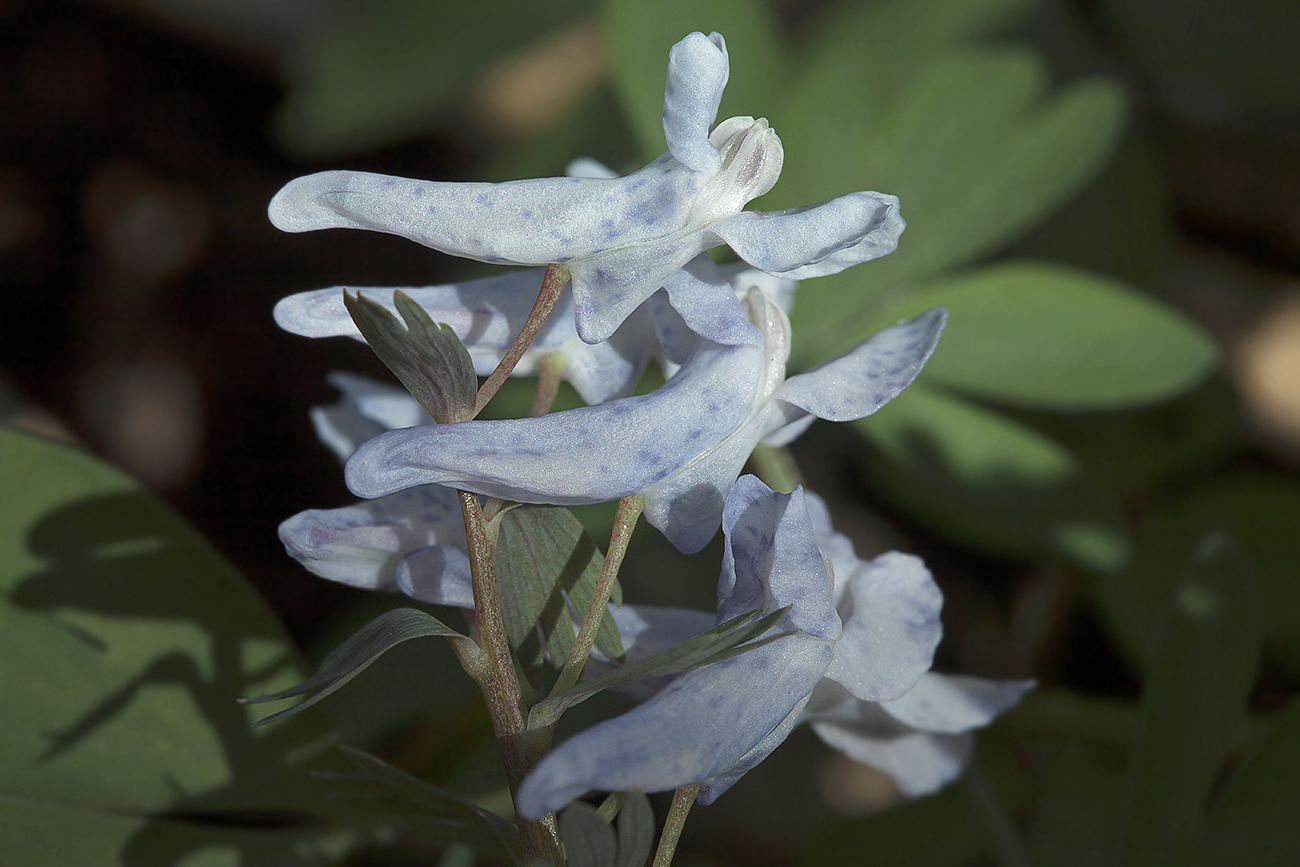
(891, 627)
(697, 74)
(867, 377)
(815, 240)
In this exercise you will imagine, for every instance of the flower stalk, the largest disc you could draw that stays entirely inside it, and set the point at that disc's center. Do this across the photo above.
(553, 283)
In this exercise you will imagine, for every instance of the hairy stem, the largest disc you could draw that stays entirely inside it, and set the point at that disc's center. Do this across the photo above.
(496, 678)
(625, 518)
(682, 801)
(556, 276)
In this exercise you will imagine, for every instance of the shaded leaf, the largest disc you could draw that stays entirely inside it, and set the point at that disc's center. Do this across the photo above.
(545, 560)
(1194, 700)
(636, 831)
(1253, 820)
(1046, 336)
(124, 642)
(438, 813)
(356, 655)
(428, 358)
(990, 481)
(588, 841)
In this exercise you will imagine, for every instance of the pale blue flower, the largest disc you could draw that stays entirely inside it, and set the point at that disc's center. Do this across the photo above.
(680, 448)
(487, 314)
(873, 644)
(621, 238)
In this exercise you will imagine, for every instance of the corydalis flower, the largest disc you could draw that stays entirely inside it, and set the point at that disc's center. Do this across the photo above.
(714, 724)
(621, 238)
(486, 314)
(680, 448)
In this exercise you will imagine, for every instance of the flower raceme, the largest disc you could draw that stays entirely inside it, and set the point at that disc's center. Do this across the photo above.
(621, 238)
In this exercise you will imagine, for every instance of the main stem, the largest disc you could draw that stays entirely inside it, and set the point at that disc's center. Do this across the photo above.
(552, 284)
(497, 680)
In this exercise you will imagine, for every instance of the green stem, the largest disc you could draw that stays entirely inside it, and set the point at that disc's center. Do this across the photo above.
(549, 374)
(1008, 850)
(552, 284)
(776, 467)
(625, 517)
(682, 801)
(496, 677)
(609, 807)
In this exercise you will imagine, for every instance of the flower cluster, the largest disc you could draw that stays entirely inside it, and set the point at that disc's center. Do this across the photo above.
(852, 652)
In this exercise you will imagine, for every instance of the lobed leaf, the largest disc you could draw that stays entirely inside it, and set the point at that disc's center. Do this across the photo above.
(428, 358)
(588, 841)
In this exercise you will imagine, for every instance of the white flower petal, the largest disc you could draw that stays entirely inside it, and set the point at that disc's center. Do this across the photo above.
(920, 763)
(867, 377)
(388, 405)
(438, 574)
(955, 703)
(699, 726)
(361, 545)
(815, 240)
(697, 74)
(891, 627)
(707, 302)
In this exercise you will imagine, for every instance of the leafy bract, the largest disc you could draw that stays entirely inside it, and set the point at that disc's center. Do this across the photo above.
(428, 358)
(991, 482)
(124, 642)
(1194, 701)
(545, 561)
(1046, 336)
(356, 655)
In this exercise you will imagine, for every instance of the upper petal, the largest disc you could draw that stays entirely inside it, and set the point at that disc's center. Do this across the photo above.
(697, 74)
(527, 222)
(891, 627)
(815, 240)
(869, 376)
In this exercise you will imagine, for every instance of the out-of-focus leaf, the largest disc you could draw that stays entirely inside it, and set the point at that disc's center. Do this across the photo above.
(1194, 701)
(636, 831)
(356, 655)
(545, 560)
(904, 837)
(640, 35)
(1253, 820)
(990, 481)
(1240, 51)
(1045, 336)
(124, 642)
(588, 841)
(971, 144)
(382, 71)
(1261, 512)
(428, 358)
(436, 813)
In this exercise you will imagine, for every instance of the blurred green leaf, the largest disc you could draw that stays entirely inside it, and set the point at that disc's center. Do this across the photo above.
(1193, 703)
(588, 841)
(641, 34)
(636, 831)
(356, 655)
(124, 642)
(1046, 336)
(1253, 819)
(546, 559)
(379, 72)
(991, 482)
(1260, 511)
(1216, 51)
(971, 143)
